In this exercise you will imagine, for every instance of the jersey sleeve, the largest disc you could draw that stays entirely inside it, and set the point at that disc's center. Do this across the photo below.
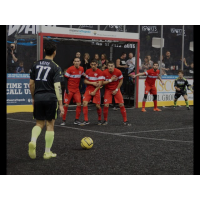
(86, 74)
(32, 72)
(67, 73)
(58, 76)
(147, 72)
(100, 77)
(120, 75)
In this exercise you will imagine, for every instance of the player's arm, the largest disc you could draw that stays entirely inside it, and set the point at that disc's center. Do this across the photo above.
(189, 86)
(113, 78)
(140, 74)
(95, 84)
(119, 85)
(159, 77)
(32, 87)
(94, 92)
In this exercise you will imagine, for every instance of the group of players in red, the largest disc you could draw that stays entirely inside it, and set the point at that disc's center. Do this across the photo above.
(112, 78)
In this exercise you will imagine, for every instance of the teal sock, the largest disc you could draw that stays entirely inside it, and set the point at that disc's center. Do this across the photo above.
(35, 133)
(187, 104)
(49, 137)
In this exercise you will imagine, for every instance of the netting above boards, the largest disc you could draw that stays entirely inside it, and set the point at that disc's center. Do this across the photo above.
(67, 48)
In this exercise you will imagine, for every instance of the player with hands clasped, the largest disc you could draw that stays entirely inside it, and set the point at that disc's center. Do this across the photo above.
(113, 80)
(180, 85)
(93, 80)
(45, 87)
(152, 75)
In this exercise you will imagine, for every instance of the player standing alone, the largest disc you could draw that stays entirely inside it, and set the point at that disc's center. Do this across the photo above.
(180, 85)
(152, 75)
(113, 80)
(93, 80)
(45, 78)
(72, 79)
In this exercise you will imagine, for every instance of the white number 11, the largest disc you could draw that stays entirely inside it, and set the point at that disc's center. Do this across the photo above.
(40, 71)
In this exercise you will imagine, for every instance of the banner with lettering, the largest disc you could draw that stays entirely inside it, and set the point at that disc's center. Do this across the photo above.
(17, 89)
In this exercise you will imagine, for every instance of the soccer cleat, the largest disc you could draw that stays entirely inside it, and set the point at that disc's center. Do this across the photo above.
(143, 110)
(126, 123)
(84, 123)
(32, 150)
(63, 123)
(99, 122)
(188, 108)
(156, 109)
(115, 108)
(174, 106)
(49, 155)
(105, 123)
(76, 121)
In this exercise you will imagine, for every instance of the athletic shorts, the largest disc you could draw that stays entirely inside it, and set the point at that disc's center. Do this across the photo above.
(75, 95)
(150, 88)
(108, 97)
(45, 110)
(96, 99)
(179, 93)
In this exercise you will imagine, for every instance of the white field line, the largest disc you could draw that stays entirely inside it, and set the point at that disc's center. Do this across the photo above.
(117, 134)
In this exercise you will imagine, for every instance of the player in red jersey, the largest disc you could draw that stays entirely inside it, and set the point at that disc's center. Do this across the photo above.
(152, 75)
(113, 80)
(72, 80)
(93, 80)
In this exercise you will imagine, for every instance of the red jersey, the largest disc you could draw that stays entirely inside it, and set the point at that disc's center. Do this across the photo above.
(151, 76)
(74, 76)
(93, 76)
(107, 75)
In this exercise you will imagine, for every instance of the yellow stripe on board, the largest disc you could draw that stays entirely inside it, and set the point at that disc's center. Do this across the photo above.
(19, 108)
(164, 103)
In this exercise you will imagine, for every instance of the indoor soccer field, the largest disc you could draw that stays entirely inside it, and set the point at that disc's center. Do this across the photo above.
(156, 143)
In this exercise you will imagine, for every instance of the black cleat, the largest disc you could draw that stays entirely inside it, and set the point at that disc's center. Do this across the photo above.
(104, 123)
(63, 123)
(99, 122)
(174, 106)
(127, 123)
(188, 108)
(84, 123)
(76, 121)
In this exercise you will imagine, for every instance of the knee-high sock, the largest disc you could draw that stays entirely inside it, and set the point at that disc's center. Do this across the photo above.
(143, 104)
(49, 137)
(105, 113)
(35, 133)
(155, 103)
(85, 113)
(123, 112)
(187, 104)
(99, 113)
(65, 113)
(78, 112)
(175, 102)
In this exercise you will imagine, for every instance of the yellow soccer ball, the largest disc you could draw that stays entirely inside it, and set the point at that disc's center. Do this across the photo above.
(87, 143)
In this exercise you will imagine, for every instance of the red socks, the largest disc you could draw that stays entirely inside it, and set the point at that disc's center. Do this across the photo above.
(78, 112)
(105, 113)
(155, 103)
(143, 104)
(99, 114)
(85, 113)
(123, 111)
(65, 112)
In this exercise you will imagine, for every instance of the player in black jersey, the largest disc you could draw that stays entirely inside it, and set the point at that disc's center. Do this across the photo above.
(45, 87)
(180, 85)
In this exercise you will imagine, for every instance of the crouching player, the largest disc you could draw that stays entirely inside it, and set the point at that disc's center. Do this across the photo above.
(93, 80)
(180, 85)
(152, 75)
(113, 80)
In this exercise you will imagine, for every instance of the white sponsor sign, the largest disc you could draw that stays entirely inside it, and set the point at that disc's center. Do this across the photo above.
(165, 93)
